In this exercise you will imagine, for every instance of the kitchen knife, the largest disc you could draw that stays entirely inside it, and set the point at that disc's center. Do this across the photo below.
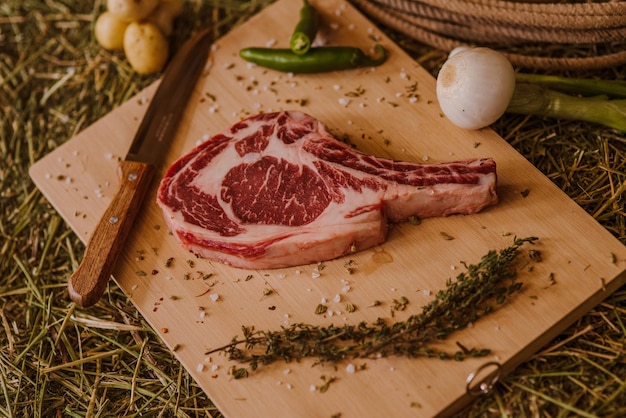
(88, 283)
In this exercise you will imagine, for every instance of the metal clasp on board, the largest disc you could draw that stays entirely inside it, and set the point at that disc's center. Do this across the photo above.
(482, 381)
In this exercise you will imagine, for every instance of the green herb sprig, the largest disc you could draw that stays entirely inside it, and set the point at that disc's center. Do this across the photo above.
(476, 292)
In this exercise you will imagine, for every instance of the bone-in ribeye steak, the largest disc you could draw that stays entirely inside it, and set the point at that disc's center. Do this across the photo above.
(278, 190)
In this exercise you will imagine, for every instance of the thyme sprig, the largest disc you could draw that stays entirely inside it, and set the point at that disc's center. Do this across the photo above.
(475, 292)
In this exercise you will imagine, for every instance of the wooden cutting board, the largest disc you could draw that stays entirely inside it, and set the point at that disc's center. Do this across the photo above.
(389, 111)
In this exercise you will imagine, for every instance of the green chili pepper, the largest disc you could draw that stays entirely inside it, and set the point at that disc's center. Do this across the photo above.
(305, 31)
(317, 60)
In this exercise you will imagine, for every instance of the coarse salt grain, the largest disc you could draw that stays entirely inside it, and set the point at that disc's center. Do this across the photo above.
(345, 289)
(286, 371)
(336, 87)
(315, 275)
(281, 276)
(426, 292)
(323, 300)
(350, 368)
(270, 43)
(214, 297)
(312, 388)
(337, 298)
(344, 101)
(289, 386)
(200, 367)
(214, 367)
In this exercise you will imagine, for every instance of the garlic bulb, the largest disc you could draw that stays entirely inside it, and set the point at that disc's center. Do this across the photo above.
(475, 86)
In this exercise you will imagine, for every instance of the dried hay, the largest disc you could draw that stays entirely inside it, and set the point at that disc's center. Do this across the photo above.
(106, 361)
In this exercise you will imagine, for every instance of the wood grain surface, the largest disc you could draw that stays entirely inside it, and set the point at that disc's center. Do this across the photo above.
(390, 111)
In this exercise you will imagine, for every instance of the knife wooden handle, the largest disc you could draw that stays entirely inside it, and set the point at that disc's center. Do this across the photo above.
(88, 283)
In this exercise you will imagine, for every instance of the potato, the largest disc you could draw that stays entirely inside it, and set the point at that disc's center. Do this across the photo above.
(109, 31)
(163, 19)
(165, 13)
(175, 7)
(131, 10)
(146, 48)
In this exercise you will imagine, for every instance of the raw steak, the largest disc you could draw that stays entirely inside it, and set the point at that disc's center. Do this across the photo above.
(278, 190)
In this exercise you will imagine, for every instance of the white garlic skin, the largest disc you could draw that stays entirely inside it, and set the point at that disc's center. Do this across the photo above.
(475, 86)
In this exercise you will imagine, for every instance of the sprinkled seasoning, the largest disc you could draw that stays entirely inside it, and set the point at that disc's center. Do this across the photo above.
(414, 220)
(535, 255)
(327, 381)
(446, 236)
(320, 309)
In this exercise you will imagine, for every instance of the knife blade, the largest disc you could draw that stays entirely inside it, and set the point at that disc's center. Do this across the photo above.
(88, 282)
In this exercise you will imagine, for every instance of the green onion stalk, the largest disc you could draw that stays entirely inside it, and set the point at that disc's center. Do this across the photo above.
(596, 101)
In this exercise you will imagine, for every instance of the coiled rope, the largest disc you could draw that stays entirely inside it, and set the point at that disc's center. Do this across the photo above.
(592, 35)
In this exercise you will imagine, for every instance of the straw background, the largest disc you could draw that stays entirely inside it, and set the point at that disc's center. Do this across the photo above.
(58, 361)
